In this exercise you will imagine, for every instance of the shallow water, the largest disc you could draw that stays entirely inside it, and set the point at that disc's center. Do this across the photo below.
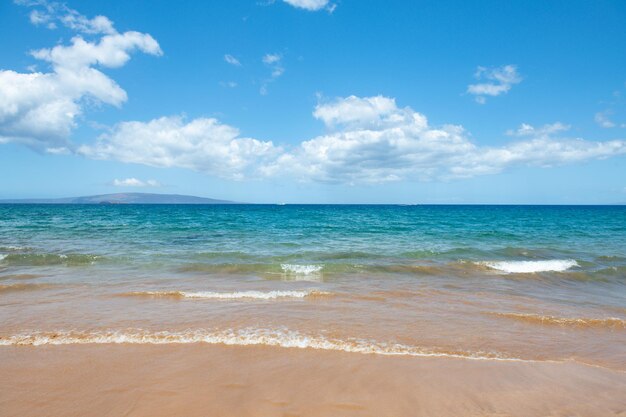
(488, 283)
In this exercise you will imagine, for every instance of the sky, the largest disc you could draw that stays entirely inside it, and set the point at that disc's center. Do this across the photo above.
(315, 101)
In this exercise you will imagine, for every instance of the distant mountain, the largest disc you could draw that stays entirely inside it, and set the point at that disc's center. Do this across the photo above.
(122, 198)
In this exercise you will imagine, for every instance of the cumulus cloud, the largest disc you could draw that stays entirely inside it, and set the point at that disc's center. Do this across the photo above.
(372, 140)
(39, 109)
(497, 81)
(202, 144)
(232, 60)
(358, 112)
(369, 140)
(134, 182)
(312, 5)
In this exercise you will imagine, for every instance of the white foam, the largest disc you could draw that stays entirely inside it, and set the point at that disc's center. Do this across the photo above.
(268, 295)
(258, 295)
(301, 269)
(2, 256)
(13, 247)
(528, 267)
(243, 337)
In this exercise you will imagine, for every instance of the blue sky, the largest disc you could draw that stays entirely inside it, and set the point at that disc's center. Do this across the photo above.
(315, 101)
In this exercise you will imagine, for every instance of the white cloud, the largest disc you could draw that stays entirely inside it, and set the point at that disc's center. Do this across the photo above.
(273, 61)
(39, 18)
(498, 81)
(544, 131)
(232, 60)
(371, 140)
(603, 120)
(368, 139)
(79, 23)
(49, 13)
(312, 5)
(110, 51)
(202, 144)
(271, 58)
(134, 182)
(39, 109)
(356, 111)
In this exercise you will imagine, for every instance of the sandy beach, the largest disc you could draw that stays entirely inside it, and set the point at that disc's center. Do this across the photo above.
(200, 380)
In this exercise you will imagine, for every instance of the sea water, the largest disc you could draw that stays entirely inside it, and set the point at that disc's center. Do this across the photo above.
(506, 283)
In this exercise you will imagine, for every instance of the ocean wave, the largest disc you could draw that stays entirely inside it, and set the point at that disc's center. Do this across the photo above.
(244, 337)
(236, 295)
(301, 269)
(45, 259)
(13, 248)
(607, 322)
(529, 267)
(316, 271)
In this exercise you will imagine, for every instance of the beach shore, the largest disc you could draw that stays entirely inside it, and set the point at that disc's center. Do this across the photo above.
(201, 380)
(312, 311)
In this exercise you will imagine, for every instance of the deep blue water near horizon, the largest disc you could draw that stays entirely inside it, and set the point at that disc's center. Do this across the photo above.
(422, 231)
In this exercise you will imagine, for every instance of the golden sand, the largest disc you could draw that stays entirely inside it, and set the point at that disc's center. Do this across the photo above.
(201, 380)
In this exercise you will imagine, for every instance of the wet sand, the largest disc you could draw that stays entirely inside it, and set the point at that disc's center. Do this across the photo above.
(200, 380)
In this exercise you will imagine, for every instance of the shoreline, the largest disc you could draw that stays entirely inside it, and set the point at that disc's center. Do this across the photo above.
(201, 380)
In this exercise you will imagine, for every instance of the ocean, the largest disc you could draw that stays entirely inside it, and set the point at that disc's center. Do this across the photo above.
(502, 283)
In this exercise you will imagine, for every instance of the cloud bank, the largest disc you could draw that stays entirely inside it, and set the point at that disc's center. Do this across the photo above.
(368, 140)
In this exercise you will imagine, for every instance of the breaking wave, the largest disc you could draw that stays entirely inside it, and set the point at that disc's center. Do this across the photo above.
(236, 295)
(529, 267)
(243, 337)
(301, 269)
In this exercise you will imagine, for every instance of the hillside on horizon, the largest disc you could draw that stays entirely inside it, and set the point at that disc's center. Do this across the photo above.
(122, 198)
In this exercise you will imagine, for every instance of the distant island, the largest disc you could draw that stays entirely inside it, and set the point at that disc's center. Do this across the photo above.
(122, 198)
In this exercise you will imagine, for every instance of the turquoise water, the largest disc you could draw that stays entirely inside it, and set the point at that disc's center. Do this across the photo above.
(335, 235)
(521, 282)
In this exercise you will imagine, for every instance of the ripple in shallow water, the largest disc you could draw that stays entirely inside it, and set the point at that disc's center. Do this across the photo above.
(235, 295)
(606, 322)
